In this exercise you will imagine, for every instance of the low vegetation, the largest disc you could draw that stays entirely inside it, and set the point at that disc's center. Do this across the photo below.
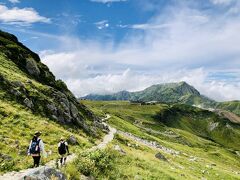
(200, 156)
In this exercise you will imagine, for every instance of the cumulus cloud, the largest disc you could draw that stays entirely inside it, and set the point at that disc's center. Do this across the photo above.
(24, 16)
(180, 44)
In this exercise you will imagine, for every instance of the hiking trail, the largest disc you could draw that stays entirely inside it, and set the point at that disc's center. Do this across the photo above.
(52, 164)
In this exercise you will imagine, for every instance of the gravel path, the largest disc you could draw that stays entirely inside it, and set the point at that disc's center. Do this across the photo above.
(20, 175)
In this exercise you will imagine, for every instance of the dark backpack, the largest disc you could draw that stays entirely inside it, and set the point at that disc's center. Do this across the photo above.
(35, 149)
(62, 148)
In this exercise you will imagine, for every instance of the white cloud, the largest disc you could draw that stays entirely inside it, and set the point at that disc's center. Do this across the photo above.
(107, 1)
(181, 44)
(24, 16)
(102, 24)
(14, 1)
(128, 80)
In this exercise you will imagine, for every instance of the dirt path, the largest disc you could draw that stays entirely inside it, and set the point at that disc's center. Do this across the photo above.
(21, 174)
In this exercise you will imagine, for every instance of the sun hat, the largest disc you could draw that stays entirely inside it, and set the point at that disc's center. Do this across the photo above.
(38, 133)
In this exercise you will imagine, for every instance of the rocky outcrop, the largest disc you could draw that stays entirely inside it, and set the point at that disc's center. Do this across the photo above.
(32, 67)
(38, 90)
(44, 173)
(40, 173)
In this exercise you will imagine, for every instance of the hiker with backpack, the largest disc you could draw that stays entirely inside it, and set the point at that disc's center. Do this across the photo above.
(63, 150)
(36, 147)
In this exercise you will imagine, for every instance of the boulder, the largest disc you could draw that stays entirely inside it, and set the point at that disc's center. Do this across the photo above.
(32, 67)
(28, 103)
(45, 173)
(160, 156)
(72, 140)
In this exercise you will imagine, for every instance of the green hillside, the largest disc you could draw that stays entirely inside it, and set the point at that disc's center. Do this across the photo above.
(30, 100)
(169, 93)
(208, 145)
(233, 106)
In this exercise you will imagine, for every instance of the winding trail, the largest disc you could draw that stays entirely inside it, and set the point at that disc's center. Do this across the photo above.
(52, 164)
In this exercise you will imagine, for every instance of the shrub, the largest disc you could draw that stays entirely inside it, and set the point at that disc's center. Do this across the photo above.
(96, 163)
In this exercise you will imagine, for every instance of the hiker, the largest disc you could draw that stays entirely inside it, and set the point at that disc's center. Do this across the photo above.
(63, 150)
(35, 149)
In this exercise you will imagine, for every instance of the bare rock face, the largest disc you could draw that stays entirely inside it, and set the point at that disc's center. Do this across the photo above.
(32, 67)
(74, 110)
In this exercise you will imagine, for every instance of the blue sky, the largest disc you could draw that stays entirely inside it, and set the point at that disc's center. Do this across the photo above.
(104, 46)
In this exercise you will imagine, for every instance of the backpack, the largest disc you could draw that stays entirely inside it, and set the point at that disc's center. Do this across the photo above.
(62, 148)
(35, 149)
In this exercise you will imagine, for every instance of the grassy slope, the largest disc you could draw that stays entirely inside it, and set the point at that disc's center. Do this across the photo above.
(18, 123)
(141, 161)
(233, 106)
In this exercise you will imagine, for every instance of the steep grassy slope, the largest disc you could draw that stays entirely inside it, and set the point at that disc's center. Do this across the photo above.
(207, 144)
(31, 99)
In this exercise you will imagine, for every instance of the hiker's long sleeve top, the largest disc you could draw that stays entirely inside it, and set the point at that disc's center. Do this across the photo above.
(41, 146)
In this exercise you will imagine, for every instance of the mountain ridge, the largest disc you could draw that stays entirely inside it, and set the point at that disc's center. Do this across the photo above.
(153, 93)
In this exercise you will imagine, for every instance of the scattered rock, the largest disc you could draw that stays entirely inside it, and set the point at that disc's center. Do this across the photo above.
(150, 143)
(229, 126)
(192, 158)
(18, 84)
(138, 177)
(213, 125)
(72, 140)
(6, 157)
(160, 156)
(213, 164)
(15, 92)
(29, 81)
(119, 149)
(44, 173)
(28, 103)
(237, 153)
(83, 177)
(204, 172)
